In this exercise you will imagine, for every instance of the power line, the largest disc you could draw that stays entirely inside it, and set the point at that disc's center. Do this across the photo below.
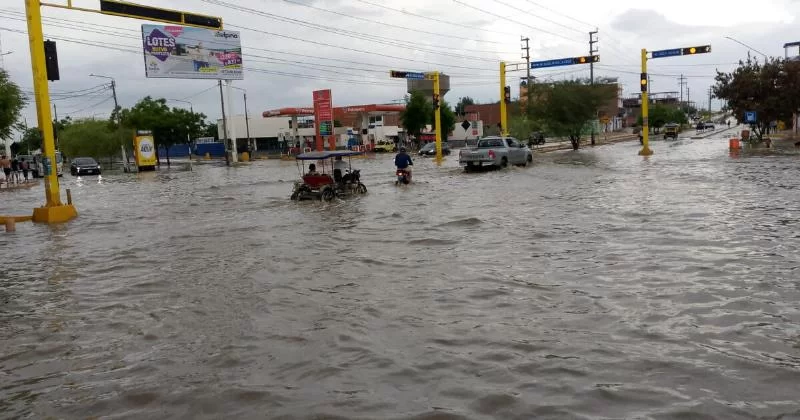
(392, 25)
(405, 12)
(89, 107)
(561, 14)
(536, 16)
(391, 42)
(516, 21)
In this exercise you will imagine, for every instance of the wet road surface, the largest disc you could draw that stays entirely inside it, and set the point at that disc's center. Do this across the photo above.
(593, 284)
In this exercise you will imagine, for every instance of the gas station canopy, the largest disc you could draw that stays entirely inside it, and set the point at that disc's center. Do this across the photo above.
(373, 109)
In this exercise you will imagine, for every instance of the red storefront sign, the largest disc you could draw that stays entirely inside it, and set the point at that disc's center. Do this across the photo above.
(323, 115)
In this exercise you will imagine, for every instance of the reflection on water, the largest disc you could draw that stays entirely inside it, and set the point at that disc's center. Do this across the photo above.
(591, 284)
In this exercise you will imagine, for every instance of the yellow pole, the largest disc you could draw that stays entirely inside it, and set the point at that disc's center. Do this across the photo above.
(437, 116)
(503, 110)
(53, 211)
(645, 112)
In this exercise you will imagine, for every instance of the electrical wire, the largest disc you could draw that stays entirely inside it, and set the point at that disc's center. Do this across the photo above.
(511, 6)
(561, 14)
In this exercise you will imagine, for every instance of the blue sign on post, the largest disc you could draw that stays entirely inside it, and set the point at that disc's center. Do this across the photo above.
(552, 63)
(667, 53)
(406, 75)
(750, 117)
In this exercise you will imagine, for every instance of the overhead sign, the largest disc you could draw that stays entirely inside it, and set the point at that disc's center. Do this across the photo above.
(586, 59)
(181, 52)
(406, 75)
(124, 9)
(750, 117)
(323, 112)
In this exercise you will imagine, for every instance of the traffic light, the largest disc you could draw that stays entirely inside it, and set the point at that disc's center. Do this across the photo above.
(586, 59)
(51, 60)
(643, 82)
(435, 101)
(507, 94)
(697, 50)
(397, 74)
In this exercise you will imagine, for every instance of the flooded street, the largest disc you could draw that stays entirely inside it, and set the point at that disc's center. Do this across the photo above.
(593, 284)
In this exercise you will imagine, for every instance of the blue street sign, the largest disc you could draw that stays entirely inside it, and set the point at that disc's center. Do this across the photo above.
(667, 53)
(750, 117)
(552, 63)
(406, 75)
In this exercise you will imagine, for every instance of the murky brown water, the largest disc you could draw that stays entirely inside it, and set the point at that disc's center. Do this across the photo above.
(591, 285)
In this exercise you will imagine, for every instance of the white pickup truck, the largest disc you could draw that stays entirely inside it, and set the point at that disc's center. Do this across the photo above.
(495, 151)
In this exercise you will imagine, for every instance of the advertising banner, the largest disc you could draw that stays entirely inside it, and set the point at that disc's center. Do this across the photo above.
(323, 115)
(182, 52)
(144, 150)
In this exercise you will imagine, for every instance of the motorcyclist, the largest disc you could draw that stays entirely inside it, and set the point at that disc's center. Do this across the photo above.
(403, 161)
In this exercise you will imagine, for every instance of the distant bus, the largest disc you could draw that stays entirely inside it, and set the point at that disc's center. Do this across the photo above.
(38, 159)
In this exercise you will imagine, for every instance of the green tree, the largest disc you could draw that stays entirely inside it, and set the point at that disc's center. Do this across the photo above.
(448, 119)
(31, 139)
(89, 137)
(12, 102)
(568, 107)
(169, 126)
(659, 115)
(417, 113)
(211, 130)
(771, 89)
(461, 106)
(521, 127)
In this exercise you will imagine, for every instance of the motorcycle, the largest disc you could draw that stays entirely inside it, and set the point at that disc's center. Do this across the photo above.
(403, 177)
(350, 183)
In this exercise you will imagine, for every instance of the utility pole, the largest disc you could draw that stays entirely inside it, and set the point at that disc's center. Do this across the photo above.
(224, 125)
(247, 126)
(710, 93)
(682, 83)
(528, 86)
(688, 99)
(55, 125)
(592, 50)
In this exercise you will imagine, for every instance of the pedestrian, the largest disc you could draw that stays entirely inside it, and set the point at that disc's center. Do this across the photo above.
(5, 167)
(24, 167)
(15, 170)
(729, 123)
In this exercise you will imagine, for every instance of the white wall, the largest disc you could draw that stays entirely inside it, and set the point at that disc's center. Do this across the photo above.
(261, 127)
(460, 134)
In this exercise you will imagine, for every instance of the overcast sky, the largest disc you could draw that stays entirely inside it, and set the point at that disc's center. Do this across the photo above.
(292, 47)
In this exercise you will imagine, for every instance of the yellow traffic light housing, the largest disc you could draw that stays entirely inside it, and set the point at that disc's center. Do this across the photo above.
(507, 94)
(696, 50)
(643, 82)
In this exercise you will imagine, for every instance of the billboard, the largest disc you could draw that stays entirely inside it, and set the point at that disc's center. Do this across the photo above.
(181, 52)
(323, 114)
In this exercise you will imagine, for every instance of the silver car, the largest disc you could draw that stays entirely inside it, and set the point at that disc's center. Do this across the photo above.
(495, 151)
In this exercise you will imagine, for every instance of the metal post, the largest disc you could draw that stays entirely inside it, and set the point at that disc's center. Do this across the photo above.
(645, 110)
(224, 123)
(591, 71)
(247, 125)
(437, 117)
(53, 211)
(528, 87)
(503, 110)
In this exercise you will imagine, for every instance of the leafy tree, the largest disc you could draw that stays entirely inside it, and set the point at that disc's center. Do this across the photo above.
(568, 107)
(31, 139)
(521, 127)
(771, 89)
(461, 106)
(417, 113)
(169, 126)
(660, 115)
(90, 138)
(447, 116)
(211, 130)
(12, 101)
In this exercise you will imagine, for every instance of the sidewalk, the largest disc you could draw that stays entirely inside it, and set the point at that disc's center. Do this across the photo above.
(600, 139)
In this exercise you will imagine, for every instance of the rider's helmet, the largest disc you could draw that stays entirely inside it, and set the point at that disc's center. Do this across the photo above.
(403, 149)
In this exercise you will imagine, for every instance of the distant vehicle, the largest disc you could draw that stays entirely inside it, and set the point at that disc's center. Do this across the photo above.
(495, 151)
(385, 147)
(39, 160)
(536, 138)
(429, 149)
(708, 125)
(671, 131)
(84, 166)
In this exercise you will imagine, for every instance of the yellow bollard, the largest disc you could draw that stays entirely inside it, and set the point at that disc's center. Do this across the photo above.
(11, 224)
(207, 156)
(245, 157)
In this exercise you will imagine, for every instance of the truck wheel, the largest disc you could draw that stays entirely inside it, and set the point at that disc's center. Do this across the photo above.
(530, 158)
(504, 162)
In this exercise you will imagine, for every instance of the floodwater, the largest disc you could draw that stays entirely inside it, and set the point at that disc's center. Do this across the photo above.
(594, 284)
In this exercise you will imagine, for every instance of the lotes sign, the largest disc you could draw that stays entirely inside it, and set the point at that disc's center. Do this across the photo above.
(182, 52)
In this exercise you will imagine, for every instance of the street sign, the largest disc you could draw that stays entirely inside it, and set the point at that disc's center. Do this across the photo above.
(323, 112)
(465, 125)
(750, 117)
(605, 120)
(406, 75)
(565, 61)
(667, 53)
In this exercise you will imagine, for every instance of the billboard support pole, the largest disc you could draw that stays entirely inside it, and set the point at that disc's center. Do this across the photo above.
(231, 125)
(224, 123)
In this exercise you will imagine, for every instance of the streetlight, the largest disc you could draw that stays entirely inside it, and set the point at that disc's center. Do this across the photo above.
(119, 118)
(191, 107)
(749, 47)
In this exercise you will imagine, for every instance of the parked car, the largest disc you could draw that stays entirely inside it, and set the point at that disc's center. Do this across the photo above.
(495, 151)
(84, 166)
(385, 147)
(429, 149)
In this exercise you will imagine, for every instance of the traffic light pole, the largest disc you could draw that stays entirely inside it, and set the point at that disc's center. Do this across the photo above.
(645, 108)
(503, 107)
(53, 211)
